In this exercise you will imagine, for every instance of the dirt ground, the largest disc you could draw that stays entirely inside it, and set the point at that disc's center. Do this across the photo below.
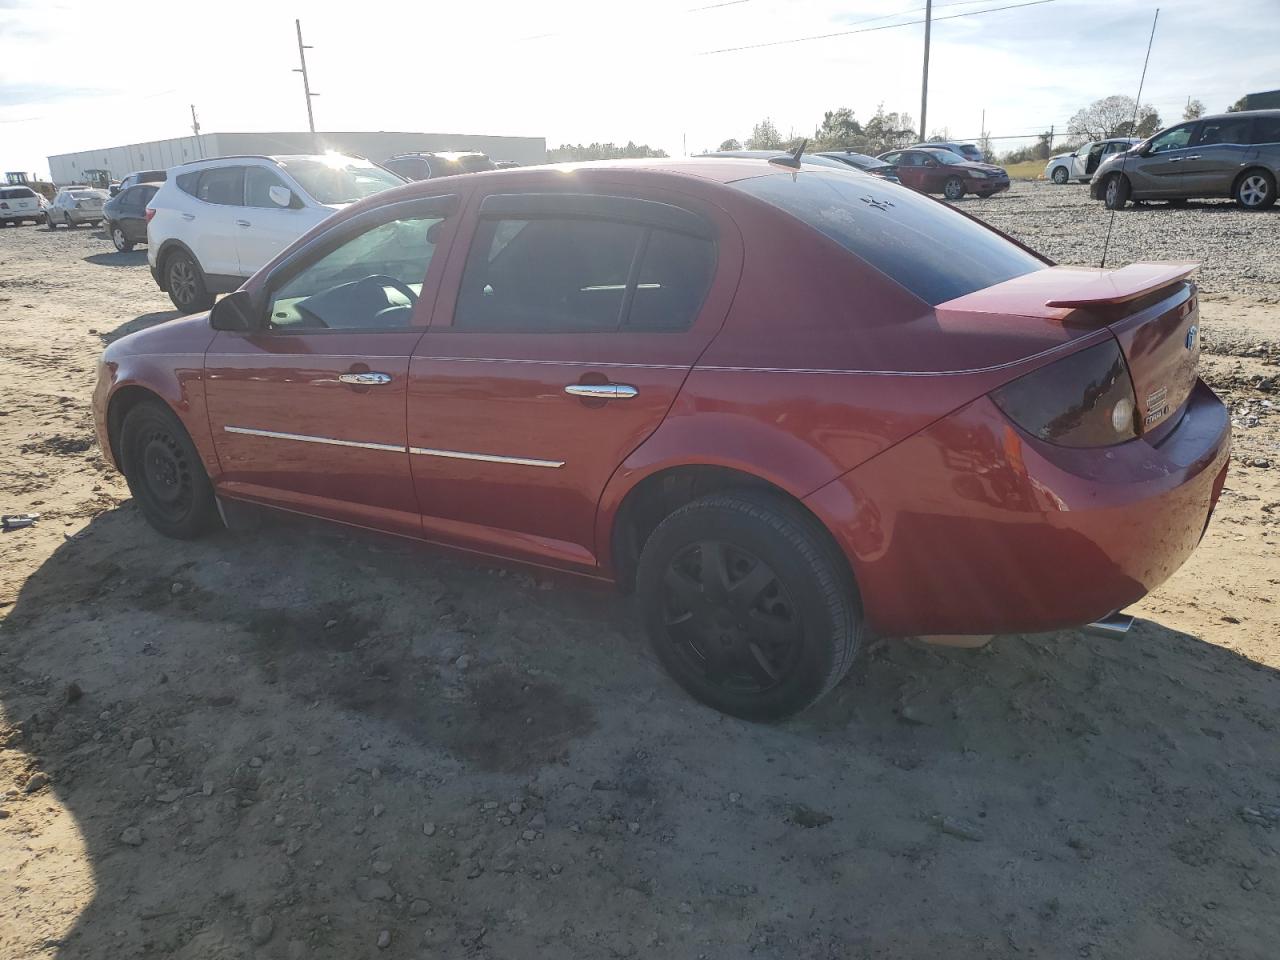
(289, 741)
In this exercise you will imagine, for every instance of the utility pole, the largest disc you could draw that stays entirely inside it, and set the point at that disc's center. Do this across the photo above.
(195, 129)
(306, 83)
(924, 82)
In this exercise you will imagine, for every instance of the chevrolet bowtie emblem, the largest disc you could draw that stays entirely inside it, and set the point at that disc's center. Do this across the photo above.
(878, 204)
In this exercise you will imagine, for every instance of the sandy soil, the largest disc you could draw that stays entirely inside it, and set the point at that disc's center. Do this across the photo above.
(292, 742)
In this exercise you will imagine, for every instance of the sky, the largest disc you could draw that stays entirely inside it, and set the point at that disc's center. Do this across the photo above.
(78, 75)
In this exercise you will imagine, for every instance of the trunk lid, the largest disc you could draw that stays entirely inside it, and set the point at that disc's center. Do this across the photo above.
(1150, 308)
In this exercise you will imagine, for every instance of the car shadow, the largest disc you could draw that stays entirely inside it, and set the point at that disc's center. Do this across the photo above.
(139, 323)
(134, 258)
(286, 740)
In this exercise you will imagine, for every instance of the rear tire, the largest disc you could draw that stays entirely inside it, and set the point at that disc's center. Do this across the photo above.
(1116, 192)
(185, 282)
(1256, 190)
(118, 238)
(748, 604)
(165, 474)
(1060, 175)
(953, 189)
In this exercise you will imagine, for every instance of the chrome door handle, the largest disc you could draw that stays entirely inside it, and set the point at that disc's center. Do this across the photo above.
(1194, 157)
(1176, 159)
(365, 379)
(188, 216)
(242, 223)
(602, 391)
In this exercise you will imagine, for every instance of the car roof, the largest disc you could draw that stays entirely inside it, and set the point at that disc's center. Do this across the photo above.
(1240, 113)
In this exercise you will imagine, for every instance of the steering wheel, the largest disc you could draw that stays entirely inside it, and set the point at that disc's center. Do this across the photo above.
(382, 280)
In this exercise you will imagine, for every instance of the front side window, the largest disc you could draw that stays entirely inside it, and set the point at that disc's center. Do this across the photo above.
(371, 282)
(258, 189)
(927, 247)
(222, 185)
(338, 179)
(1226, 130)
(1174, 139)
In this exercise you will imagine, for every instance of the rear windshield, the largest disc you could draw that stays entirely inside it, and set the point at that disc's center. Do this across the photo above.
(16, 193)
(88, 194)
(933, 251)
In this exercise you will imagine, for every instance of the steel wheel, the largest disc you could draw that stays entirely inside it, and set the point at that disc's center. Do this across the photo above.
(728, 614)
(953, 189)
(166, 474)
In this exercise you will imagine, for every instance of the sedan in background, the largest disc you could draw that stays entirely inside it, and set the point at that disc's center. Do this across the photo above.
(788, 408)
(141, 176)
(1234, 155)
(860, 161)
(126, 215)
(20, 203)
(935, 170)
(76, 205)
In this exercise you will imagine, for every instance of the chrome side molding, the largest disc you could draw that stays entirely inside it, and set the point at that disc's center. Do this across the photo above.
(1114, 625)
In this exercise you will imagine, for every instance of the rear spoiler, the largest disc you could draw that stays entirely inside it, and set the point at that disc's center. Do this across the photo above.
(1055, 292)
(1127, 283)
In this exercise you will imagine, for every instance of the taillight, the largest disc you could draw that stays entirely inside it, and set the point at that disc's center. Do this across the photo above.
(1083, 400)
(150, 213)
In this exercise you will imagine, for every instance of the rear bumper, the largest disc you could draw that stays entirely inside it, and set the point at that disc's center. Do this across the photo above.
(973, 527)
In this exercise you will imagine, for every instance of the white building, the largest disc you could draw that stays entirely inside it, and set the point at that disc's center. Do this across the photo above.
(119, 162)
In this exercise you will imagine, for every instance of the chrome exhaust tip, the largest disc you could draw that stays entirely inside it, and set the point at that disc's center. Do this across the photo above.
(1115, 625)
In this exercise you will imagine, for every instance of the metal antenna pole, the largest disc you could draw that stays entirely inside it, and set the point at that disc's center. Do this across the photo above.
(924, 83)
(306, 83)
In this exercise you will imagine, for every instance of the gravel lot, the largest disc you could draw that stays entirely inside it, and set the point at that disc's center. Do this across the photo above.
(289, 742)
(1239, 250)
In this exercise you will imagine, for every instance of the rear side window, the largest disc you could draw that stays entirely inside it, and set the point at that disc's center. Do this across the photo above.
(1266, 130)
(933, 251)
(675, 274)
(1226, 130)
(224, 185)
(187, 182)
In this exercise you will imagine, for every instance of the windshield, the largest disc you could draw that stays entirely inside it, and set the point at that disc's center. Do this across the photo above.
(88, 194)
(337, 179)
(923, 244)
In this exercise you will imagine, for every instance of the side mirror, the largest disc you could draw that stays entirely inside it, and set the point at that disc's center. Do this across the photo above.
(280, 196)
(234, 312)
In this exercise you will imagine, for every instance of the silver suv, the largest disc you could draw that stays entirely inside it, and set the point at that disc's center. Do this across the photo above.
(1233, 155)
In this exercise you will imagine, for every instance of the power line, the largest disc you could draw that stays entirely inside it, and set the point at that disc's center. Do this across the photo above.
(716, 6)
(888, 26)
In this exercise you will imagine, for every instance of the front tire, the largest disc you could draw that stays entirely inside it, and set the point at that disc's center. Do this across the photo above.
(953, 189)
(185, 283)
(119, 240)
(1256, 190)
(748, 604)
(1116, 194)
(165, 474)
(1060, 175)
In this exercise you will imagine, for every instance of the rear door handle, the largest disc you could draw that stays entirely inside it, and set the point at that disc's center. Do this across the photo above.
(242, 223)
(365, 379)
(188, 216)
(602, 391)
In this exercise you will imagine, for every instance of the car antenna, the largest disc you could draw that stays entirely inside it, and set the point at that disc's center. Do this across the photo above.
(1133, 128)
(791, 160)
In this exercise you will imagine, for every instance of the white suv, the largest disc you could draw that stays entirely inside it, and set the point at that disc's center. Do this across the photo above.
(18, 203)
(213, 223)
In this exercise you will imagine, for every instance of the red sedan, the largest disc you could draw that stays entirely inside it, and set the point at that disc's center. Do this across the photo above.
(935, 170)
(786, 407)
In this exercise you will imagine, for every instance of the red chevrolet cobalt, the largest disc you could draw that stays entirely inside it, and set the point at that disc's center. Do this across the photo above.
(786, 407)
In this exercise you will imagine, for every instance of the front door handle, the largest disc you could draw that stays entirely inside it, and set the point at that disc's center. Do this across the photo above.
(365, 379)
(602, 391)
(188, 216)
(242, 223)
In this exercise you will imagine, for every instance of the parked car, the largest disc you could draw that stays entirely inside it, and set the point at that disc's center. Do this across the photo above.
(213, 223)
(76, 205)
(935, 170)
(783, 410)
(1233, 155)
(18, 204)
(813, 159)
(126, 215)
(1081, 163)
(966, 150)
(428, 166)
(141, 176)
(860, 161)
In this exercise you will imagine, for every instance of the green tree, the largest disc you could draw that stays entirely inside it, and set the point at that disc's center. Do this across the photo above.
(1194, 110)
(601, 151)
(1238, 105)
(888, 131)
(764, 136)
(730, 144)
(1113, 117)
(838, 131)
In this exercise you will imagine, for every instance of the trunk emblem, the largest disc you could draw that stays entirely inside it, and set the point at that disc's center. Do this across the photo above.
(878, 204)
(1191, 336)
